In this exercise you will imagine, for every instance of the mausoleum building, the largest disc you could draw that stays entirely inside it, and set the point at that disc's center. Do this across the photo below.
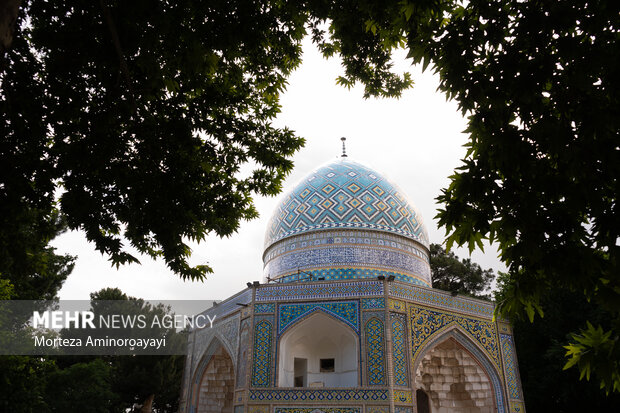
(346, 319)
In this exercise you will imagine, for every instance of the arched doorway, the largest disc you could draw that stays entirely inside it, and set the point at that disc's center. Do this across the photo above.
(422, 401)
(216, 387)
(453, 381)
(318, 352)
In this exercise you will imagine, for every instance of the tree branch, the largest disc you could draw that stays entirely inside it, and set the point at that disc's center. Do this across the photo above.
(119, 51)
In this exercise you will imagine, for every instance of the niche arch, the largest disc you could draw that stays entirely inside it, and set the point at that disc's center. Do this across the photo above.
(318, 351)
(213, 381)
(458, 376)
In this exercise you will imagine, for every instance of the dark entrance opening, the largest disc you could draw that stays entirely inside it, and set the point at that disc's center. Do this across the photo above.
(301, 372)
(423, 402)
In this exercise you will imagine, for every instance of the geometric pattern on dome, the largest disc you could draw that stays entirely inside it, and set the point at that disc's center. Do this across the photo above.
(345, 194)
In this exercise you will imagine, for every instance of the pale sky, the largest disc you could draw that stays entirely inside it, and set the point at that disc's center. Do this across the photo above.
(415, 141)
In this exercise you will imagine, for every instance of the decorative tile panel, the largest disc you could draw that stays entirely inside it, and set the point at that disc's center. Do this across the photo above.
(373, 303)
(367, 315)
(510, 366)
(403, 396)
(258, 409)
(504, 327)
(440, 299)
(517, 407)
(346, 311)
(397, 305)
(343, 237)
(375, 352)
(328, 290)
(426, 323)
(264, 308)
(319, 395)
(377, 409)
(349, 273)
(402, 409)
(399, 353)
(202, 339)
(261, 368)
(226, 330)
(246, 312)
(318, 410)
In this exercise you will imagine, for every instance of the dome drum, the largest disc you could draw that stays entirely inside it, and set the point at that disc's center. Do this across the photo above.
(346, 254)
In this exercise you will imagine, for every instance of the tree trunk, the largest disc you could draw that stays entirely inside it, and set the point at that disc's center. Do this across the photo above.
(9, 10)
(147, 407)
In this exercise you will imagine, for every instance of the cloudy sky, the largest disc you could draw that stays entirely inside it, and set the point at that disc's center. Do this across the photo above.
(415, 141)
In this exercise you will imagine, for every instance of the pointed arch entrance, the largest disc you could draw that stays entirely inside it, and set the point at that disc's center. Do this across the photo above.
(422, 401)
(215, 380)
(456, 377)
(319, 351)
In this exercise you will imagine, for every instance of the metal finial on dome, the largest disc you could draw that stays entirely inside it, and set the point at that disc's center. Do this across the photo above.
(344, 149)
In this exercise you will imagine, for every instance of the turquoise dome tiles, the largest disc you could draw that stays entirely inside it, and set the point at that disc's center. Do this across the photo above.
(346, 222)
(345, 194)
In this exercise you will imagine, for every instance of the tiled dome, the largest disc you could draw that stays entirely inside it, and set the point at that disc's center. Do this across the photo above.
(339, 206)
(345, 194)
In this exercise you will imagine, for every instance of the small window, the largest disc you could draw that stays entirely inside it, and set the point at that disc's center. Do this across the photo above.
(327, 365)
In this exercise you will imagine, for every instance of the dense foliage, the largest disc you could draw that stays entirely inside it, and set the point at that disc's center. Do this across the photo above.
(450, 273)
(143, 113)
(540, 347)
(539, 83)
(151, 120)
(95, 383)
